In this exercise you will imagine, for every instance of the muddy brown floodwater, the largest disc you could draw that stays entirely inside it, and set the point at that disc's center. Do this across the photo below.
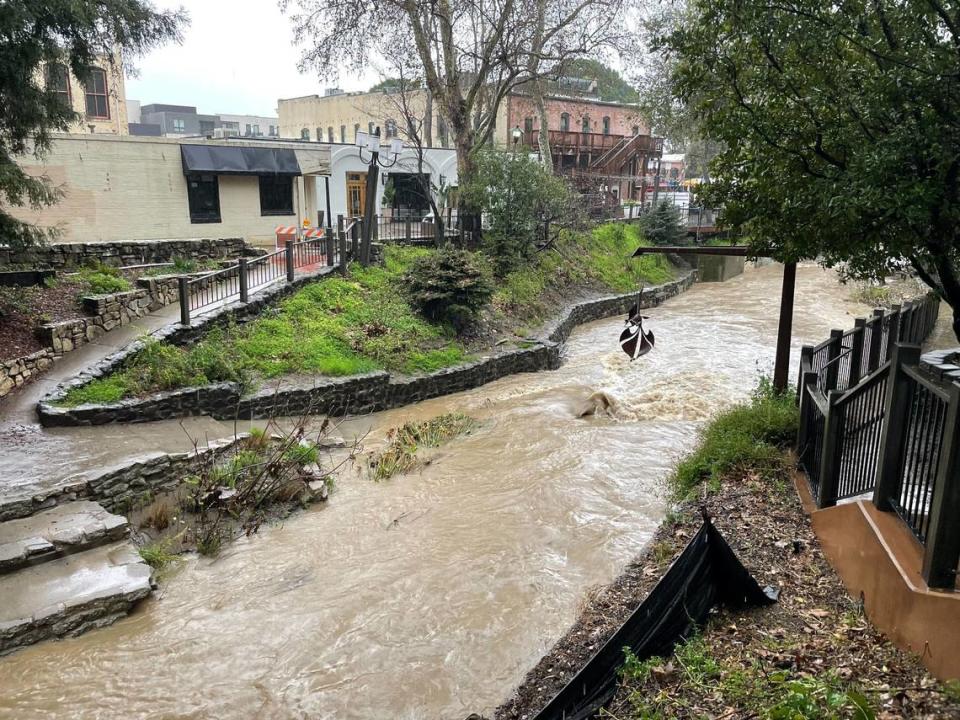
(430, 595)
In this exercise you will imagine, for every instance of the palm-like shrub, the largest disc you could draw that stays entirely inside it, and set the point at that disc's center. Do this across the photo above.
(448, 286)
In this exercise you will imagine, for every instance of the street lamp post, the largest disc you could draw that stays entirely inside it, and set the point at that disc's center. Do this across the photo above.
(371, 142)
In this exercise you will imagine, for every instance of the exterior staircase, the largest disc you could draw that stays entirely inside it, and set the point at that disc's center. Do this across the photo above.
(619, 155)
(64, 571)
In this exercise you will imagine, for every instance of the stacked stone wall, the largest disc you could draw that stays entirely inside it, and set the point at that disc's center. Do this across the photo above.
(70, 256)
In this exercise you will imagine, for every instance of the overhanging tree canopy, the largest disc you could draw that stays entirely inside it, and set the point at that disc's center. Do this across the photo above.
(841, 127)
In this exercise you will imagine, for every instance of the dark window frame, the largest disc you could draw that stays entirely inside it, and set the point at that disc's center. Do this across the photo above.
(54, 69)
(199, 215)
(343, 133)
(270, 195)
(565, 122)
(606, 124)
(90, 92)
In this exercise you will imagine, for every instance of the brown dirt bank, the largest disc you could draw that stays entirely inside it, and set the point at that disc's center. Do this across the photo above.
(815, 630)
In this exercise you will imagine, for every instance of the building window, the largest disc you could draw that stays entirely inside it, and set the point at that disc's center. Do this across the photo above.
(343, 133)
(256, 131)
(203, 196)
(356, 131)
(276, 195)
(390, 127)
(178, 125)
(330, 134)
(305, 133)
(565, 122)
(528, 125)
(247, 130)
(585, 125)
(272, 130)
(606, 126)
(636, 130)
(319, 134)
(58, 82)
(98, 102)
(370, 128)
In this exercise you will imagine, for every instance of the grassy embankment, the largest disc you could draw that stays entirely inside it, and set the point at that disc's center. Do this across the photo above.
(346, 326)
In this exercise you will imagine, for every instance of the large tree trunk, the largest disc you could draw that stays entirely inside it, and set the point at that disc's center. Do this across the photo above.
(543, 137)
(428, 121)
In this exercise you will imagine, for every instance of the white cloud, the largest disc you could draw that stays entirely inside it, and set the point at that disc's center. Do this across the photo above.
(237, 57)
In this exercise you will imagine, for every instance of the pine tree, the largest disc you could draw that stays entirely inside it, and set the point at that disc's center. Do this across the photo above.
(663, 225)
(36, 35)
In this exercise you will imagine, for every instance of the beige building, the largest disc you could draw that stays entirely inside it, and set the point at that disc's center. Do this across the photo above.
(119, 188)
(100, 101)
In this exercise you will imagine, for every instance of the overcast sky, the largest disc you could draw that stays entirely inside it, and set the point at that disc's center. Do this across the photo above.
(237, 57)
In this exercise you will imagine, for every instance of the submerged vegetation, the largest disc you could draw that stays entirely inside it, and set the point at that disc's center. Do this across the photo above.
(400, 454)
(748, 439)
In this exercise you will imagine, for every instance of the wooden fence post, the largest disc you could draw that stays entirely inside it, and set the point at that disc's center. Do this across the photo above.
(242, 279)
(906, 323)
(942, 549)
(829, 460)
(833, 365)
(856, 352)
(876, 338)
(342, 235)
(893, 436)
(893, 330)
(184, 292)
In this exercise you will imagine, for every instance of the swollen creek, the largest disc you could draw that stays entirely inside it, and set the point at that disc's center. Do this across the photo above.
(428, 595)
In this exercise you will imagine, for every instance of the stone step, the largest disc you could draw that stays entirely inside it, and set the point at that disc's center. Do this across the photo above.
(64, 529)
(70, 595)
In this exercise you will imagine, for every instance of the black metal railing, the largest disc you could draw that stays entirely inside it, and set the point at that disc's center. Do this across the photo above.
(876, 419)
(921, 457)
(414, 229)
(237, 281)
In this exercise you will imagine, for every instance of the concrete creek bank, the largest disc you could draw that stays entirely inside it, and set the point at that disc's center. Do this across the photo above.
(366, 393)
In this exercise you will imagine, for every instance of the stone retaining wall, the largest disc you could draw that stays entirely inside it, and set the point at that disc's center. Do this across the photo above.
(123, 488)
(14, 373)
(67, 256)
(339, 396)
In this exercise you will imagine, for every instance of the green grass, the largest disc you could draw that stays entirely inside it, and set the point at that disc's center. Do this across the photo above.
(337, 327)
(157, 555)
(748, 439)
(601, 258)
(666, 688)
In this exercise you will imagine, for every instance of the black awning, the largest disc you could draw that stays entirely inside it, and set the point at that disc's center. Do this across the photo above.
(222, 160)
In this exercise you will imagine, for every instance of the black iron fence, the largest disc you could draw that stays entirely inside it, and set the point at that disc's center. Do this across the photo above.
(237, 281)
(874, 420)
(418, 229)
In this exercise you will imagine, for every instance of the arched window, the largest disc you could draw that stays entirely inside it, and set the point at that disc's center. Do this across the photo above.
(565, 122)
(305, 133)
(606, 125)
(585, 124)
(390, 128)
(319, 134)
(356, 131)
(343, 133)
(528, 125)
(370, 127)
(330, 133)
(636, 129)
(98, 99)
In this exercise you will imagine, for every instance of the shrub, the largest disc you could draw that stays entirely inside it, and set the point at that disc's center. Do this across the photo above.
(448, 286)
(102, 279)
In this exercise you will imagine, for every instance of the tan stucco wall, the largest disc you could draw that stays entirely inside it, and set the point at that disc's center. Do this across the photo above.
(133, 188)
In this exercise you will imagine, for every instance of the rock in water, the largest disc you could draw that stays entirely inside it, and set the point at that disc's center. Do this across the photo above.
(598, 404)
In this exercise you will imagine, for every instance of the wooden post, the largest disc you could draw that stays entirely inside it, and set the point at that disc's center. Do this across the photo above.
(876, 337)
(906, 323)
(242, 278)
(893, 330)
(289, 255)
(832, 448)
(782, 365)
(833, 365)
(893, 436)
(184, 292)
(942, 550)
(856, 352)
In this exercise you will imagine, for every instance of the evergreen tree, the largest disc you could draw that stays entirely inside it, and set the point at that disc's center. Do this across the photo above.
(36, 34)
(663, 225)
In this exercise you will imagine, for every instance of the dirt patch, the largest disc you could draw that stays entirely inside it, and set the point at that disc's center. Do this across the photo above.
(815, 631)
(24, 309)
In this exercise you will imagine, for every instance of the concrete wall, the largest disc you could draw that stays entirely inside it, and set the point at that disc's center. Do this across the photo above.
(133, 188)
